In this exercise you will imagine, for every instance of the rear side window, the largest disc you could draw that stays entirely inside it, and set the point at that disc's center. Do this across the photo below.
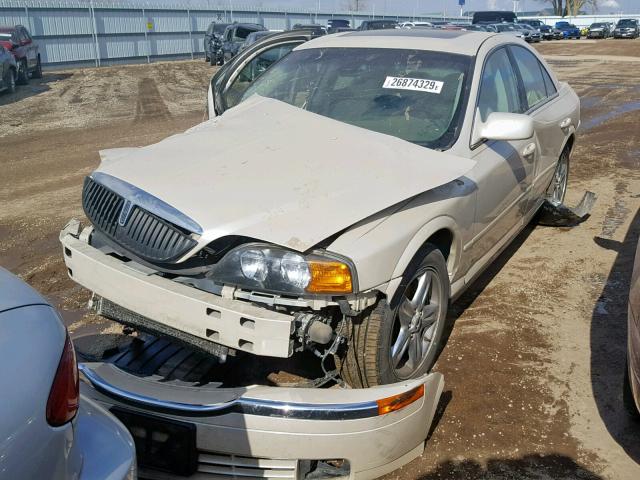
(530, 70)
(548, 83)
(499, 88)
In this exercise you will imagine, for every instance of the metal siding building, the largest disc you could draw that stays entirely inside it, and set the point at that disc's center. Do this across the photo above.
(103, 32)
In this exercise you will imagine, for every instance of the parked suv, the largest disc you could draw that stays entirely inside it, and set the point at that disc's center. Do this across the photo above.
(627, 28)
(213, 42)
(495, 16)
(19, 42)
(235, 36)
(378, 25)
(599, 30)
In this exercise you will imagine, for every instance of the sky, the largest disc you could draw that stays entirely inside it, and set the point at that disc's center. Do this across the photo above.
(407, 7)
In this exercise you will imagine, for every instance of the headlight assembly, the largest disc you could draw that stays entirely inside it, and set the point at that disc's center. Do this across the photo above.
(274, 269)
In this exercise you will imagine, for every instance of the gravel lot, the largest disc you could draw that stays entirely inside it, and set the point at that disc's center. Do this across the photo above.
(534, 363)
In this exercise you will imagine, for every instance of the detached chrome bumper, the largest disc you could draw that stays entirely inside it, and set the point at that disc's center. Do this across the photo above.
(263, 426)
(208, 317)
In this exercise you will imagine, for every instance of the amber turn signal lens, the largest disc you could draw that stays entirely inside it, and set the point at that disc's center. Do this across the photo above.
(329, 277)
(391, 404)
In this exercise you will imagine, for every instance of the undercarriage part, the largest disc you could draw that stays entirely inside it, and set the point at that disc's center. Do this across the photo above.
(312, 330)
(119, 314)
(562, 216)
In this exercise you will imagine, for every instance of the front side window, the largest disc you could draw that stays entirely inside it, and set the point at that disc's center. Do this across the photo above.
(499, 87)
(414, 95)
(241, 34)
(254, 69)
(531, 74)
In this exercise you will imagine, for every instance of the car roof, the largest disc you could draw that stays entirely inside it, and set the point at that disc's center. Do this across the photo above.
(15, 293)
(462, 42)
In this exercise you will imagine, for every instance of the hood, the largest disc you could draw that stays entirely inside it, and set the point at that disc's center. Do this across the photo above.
(6, 44)
(277, 173)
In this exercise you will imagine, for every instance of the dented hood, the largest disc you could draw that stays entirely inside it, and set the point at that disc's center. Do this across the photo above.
(277, 173)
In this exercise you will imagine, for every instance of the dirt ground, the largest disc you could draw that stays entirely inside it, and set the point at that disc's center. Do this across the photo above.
(534, 363)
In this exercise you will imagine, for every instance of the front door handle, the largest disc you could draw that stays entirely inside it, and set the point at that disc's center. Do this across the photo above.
(566, 123)
(529, 150)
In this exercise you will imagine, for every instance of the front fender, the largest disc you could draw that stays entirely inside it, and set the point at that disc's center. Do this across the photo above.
(423, 235)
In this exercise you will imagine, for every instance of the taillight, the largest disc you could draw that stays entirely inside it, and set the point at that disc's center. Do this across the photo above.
(64, 396)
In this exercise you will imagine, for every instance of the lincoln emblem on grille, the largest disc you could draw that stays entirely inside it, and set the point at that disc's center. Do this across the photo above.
(125, 212)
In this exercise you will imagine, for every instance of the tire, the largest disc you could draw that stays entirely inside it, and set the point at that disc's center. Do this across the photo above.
(558, 187)
(37, 73)
(23, 73)
(376, 334)
(627, 396)
(10, 81)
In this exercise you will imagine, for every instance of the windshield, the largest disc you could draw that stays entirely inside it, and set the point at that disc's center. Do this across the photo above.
(5, 36)
(414, 95)
(597, 25)
(626, 23)
(505, 28)
(219, 28)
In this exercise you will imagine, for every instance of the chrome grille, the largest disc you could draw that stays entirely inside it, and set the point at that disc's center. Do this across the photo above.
(142, 233)
(220, 465)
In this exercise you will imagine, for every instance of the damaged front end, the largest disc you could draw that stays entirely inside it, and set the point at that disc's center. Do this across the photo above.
(189, 303)
(192, 391)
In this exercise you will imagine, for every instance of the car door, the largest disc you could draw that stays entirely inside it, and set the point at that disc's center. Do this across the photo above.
(550, 113)
(231, 81)
(4, 66)
(504, 169)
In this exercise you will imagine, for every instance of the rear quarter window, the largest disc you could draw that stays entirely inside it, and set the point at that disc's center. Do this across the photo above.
(530, 70)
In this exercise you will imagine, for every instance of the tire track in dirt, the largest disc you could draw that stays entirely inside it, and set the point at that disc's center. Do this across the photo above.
(150, 103)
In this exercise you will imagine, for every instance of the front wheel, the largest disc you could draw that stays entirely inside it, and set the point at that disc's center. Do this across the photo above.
(10, 81)
(400, 340)
(37, 73)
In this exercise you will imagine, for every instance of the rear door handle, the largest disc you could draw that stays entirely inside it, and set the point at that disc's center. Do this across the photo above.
(529, 150)
(566, 123)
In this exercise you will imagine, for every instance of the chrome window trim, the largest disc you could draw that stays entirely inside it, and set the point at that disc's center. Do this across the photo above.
(146, 201)
(245, 406)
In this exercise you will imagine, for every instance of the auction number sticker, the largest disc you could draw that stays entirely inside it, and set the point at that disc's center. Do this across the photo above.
(417, 84)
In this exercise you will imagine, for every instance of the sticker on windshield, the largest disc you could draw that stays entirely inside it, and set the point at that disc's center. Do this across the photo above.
(417, 84)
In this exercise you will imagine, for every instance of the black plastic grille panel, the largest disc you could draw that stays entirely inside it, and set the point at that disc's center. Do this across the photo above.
(143, 234)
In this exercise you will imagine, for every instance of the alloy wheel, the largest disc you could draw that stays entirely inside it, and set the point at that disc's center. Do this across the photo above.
(416, 320)
(560, 179)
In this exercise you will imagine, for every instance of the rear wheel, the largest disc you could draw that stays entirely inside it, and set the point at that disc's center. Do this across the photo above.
(37, 73)
(23, 73)
(401, 340)
(558, 187)
(627, 396)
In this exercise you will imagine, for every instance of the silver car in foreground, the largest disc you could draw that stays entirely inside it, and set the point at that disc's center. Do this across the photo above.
(47, 429)
(357, 187)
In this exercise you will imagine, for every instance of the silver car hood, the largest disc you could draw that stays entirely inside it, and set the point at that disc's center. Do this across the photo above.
(280, 174)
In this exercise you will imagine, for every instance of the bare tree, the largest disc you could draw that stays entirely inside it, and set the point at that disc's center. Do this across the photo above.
(557, 5)
(574, 6)
(570, 7)
(355, 5)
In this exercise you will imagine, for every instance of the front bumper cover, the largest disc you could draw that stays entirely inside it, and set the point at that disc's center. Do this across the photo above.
(165, 303)
(289, 425)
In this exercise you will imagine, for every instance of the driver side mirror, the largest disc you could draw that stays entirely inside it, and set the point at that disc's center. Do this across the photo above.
(504, 126)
